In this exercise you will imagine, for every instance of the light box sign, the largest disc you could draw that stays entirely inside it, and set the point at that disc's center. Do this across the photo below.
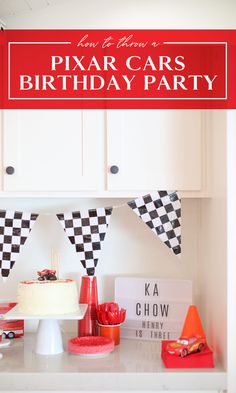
(118, 69)
(156, 308)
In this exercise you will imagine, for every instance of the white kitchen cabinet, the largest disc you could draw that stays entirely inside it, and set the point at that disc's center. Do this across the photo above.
(155, 149)
(53, 150)
(74, 151)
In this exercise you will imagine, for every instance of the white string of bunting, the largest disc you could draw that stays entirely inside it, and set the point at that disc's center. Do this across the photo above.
(86, 229)
(114, 207)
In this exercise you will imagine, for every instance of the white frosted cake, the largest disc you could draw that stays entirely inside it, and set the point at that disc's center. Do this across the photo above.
(47, 297)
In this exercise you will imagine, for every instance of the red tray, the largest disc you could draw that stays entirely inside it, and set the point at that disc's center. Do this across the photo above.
(91, 346)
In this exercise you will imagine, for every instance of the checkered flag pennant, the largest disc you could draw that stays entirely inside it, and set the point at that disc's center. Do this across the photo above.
(14, 230)
(86, 229)
(161, 211)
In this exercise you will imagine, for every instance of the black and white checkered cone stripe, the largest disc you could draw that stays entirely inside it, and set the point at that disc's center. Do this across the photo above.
(86, 229)
(161, 211)
(14, 230)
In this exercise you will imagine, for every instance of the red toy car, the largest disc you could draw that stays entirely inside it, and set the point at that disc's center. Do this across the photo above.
(11, 329)
(47, 274)
(186, 345)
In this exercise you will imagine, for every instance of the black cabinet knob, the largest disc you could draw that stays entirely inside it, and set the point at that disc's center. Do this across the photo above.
(114, 169)
(10, 170)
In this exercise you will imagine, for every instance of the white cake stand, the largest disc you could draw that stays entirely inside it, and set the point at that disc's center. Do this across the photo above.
(49, 338)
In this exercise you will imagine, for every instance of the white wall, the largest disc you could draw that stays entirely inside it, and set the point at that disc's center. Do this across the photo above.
(231, 247)
(212, 263)
(130, 247)
(150, 14)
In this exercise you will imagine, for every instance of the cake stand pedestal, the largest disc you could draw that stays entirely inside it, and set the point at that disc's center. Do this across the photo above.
(49, 337)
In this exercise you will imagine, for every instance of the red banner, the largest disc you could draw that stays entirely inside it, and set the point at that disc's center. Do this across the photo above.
(118, 69)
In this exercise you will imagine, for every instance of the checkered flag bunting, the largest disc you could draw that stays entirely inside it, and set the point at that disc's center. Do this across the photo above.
(86, 229)
(14, 230)
(161, 211)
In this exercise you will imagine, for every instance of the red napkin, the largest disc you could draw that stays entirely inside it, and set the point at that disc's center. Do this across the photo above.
(110, 314)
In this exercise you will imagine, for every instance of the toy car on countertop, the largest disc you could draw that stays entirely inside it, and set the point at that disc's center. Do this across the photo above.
(186, 345)
(13, 328)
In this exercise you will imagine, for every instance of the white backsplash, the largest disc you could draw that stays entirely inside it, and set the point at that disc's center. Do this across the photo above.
(130, 247)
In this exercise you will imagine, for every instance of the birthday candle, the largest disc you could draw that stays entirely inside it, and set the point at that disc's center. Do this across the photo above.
(55, 261)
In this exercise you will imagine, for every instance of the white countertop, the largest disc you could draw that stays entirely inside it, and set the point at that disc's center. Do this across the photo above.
(134, 365)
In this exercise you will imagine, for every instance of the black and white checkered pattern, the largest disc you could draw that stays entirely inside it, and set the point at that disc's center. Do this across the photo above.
(14, 230)
(86, 229)
(161, 211)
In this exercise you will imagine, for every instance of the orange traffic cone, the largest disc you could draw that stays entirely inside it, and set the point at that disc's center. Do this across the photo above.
(192, 324)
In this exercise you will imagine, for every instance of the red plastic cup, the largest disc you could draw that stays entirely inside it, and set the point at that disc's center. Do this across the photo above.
(110, 331)
(88, 295)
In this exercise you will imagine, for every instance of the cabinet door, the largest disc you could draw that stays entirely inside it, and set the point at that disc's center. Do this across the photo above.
(53, 150)
(154, 149)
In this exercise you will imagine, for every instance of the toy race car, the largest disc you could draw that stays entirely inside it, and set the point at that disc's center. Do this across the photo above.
(13, 328)
(186, 345)
(47, 274)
